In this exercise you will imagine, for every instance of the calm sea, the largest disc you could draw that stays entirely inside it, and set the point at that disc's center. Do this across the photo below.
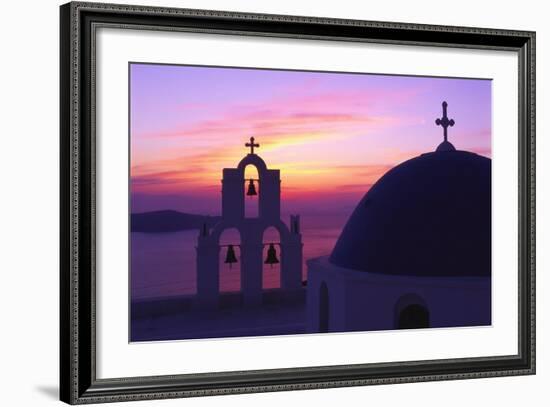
(163, 264)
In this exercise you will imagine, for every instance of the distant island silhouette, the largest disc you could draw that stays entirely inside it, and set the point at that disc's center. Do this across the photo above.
(169, 221)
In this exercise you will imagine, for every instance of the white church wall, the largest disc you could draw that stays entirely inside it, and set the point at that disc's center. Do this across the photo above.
(466, 304)
(371, 300)
(315, 276)
(361, 301)
(319, 273)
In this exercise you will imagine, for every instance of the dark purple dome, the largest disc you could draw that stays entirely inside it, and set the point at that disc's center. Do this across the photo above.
(429, 216)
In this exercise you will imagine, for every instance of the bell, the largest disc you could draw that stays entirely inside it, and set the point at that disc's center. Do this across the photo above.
(251, 189)
(271, 258)
(230, 257)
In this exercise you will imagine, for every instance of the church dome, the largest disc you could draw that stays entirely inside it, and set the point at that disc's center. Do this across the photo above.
(429, 216)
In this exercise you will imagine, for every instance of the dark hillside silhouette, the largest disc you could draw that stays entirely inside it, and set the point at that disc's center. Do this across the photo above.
(168, 221)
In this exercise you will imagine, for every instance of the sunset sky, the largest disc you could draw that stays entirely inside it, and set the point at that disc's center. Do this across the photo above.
(332, 135)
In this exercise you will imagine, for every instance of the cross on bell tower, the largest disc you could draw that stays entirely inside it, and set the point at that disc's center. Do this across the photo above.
(252, 145)
(445, 122)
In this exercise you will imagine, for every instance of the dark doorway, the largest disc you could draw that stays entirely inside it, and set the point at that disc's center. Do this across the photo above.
(414, 316)
(323, 308)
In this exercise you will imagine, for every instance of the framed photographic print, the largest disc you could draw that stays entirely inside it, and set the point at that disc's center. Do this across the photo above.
(257, 203)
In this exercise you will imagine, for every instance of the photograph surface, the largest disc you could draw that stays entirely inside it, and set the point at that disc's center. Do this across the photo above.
(274, 202)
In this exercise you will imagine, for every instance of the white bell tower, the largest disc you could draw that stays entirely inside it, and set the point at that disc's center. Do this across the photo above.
(251, 231)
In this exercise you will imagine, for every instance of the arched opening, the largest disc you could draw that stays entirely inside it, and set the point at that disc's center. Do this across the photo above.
(230, 260)
(414, 316)
(323, 307)
(272, 255)
(251, 192)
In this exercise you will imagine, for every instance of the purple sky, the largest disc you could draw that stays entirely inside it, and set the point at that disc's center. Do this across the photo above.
(331, 134)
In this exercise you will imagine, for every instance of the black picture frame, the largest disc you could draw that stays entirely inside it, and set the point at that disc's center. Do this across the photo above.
(78, 382)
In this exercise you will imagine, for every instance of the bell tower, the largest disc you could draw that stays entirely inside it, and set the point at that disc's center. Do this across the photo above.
(267, 189)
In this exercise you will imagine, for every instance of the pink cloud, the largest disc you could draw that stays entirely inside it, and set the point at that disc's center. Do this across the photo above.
(322, 113)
